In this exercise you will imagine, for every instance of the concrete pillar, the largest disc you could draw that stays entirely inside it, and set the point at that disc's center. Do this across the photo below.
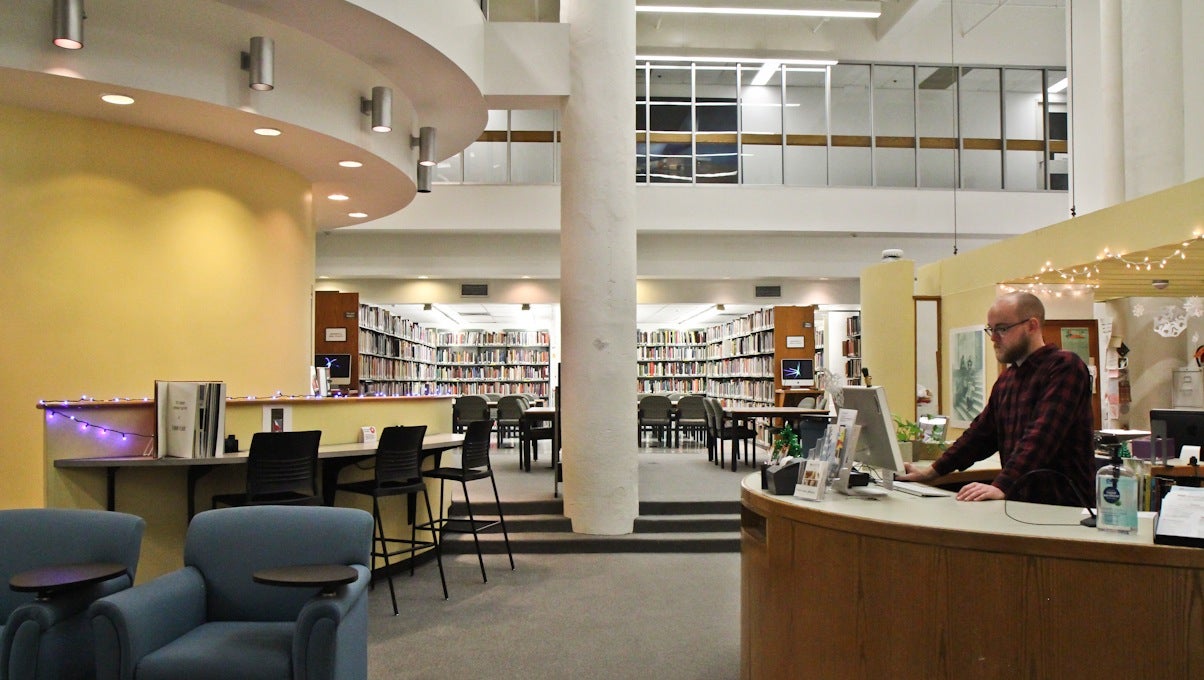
(1153, 95)
(1096, 105)
(598, 269)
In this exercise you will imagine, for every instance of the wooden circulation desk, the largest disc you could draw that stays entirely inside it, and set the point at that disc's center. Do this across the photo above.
(908, 587)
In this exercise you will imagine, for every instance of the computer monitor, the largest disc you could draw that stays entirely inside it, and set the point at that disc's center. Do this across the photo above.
(798, 372)
(339, 365)
(1184, 426)
(876, 442)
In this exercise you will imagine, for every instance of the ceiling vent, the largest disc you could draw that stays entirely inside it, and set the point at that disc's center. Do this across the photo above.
(769, 291)
(474, 290)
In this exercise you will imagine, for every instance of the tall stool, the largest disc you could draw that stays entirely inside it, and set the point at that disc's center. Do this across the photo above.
(474, 465)
(398, 460)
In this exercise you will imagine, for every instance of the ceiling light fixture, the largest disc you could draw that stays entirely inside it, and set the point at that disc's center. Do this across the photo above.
(424, 179)
(357, 215)
(425, 141)
(69, 24)
(339, 197)
(735, 59)
(830, 10)
(117, 99)
(267, 132)
(259, 62)
(379, 108)
(351, 164)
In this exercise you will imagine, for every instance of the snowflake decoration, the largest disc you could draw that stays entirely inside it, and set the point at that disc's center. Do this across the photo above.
(1170, 322)
(1194, 306)
(1138, 310)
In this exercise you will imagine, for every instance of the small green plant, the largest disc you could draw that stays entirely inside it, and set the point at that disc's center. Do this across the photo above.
(785, 445)
(908, 430)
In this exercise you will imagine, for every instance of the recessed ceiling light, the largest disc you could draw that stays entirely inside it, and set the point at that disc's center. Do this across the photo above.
(424, 276)
(338, 197)
(351, 164)
(267, 132)
(118, 99)
(526, 277)
(357, 215)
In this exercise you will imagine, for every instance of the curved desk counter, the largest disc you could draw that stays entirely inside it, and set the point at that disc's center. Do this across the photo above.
(908, 587)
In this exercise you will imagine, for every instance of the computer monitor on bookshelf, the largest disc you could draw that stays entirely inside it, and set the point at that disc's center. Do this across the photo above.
(876, 443)
(339, 365)
(798, 372)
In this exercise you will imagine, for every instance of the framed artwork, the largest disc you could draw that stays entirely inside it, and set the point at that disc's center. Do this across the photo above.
(969, 374)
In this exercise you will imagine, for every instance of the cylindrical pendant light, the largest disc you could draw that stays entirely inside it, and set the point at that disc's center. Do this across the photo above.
(381, 109)
(69, 24)
(426, 146)
(259, 63)
(424, 179)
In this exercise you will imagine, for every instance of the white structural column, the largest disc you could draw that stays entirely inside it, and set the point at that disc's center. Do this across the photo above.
(1153, 95)
(1096, 108)
(598, 269)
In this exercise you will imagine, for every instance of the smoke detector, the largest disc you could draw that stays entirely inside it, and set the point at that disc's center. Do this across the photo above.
(891, 254)
(1160, 284)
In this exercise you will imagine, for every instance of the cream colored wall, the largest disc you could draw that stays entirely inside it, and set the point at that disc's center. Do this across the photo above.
(888, 339)
(967, 282)
(131, 255)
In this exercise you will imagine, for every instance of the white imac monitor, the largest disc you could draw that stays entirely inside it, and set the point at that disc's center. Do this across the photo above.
(339, 365)
(798, 372)
(876, 443)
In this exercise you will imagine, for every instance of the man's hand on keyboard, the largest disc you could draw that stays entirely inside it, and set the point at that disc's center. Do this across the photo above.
(917, 474)
(976, 491)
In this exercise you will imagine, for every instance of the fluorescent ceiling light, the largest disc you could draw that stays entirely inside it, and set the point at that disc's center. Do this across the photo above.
(118, 99)
(734, 60)
(830, 10)
(766, 72)
(1058, 86)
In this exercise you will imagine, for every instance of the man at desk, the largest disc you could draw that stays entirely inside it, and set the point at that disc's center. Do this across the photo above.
(1038, 417)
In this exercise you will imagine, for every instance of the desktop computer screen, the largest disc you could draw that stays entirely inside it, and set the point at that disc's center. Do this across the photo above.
(798, 372)
(339, 365)
(1185, 427)
(876, 443)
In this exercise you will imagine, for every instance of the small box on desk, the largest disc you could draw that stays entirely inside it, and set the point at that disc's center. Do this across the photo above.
(780, 481)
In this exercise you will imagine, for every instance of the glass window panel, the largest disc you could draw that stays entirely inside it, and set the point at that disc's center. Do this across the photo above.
(641, 163)
(641, 117)
(850, 156)
(806, 118)
(761, 105)
(981, 125)
(715, 83)
(641, 83)
(485, 163)
(498, 120)
(670, 163)
(532, 119)
(717, 164)
(894, 126)
(669, 83)
(716, 117)
(670, 117)
(532, 163)
(1024, 125)
(936, 125)
(1025, 172)
(449, 170)
(761, 164)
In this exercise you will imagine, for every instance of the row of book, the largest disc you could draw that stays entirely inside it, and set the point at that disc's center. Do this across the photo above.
(381, 368)
(671, 336)
(695, 352)
(760, 320)
(372, 342)
(753, 367)
(656, 385)
(492, 372)
(748, 390)
(490, 338)
(383, 321)
(492, 356)
(672, 368)
(539, 389)
(759, 343)
(400, 389)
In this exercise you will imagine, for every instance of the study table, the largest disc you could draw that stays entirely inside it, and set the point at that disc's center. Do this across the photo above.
(333, 458)
(909, 587)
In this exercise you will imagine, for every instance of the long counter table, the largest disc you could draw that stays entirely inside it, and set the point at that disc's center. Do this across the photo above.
(333, 457)
(909, 587)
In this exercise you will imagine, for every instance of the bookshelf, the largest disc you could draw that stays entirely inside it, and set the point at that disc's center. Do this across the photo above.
(493, 362)
(390, 356)
(740, 360)
(672, 360)
(851, 349)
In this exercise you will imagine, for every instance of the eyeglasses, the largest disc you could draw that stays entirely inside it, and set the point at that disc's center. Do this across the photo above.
(1001, 329)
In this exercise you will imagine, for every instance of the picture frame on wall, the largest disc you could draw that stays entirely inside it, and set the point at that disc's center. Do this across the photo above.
(968, 372)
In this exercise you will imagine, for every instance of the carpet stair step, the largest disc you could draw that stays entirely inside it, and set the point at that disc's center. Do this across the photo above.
(518, 524)
(556, 507)
(570, 543)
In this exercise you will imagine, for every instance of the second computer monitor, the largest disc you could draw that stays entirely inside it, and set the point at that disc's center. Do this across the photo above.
(876, 442)
(798, 372)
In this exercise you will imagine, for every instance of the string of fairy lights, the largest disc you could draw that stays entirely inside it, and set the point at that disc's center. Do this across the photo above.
(1080, 279)
(103, 430)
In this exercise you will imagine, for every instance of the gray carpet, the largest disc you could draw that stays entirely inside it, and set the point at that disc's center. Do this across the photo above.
(580, 616)
(609, 616)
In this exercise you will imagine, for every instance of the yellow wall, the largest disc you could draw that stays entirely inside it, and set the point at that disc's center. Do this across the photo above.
(966, 282)
(132, 255)
(888, 332)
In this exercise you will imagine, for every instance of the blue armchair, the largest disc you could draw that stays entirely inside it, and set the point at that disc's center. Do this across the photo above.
(210, 620)
(42, 639)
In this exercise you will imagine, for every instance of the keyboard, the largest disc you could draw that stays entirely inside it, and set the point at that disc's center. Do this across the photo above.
(918, 489)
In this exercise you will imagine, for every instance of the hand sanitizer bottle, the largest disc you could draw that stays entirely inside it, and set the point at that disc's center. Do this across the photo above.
(1116, 498)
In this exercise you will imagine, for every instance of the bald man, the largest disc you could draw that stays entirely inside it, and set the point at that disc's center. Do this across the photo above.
(1038, 417)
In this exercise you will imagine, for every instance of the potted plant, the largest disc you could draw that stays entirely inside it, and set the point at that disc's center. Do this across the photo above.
(915, 443)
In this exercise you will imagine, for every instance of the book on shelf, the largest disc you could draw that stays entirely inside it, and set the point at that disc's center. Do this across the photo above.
(190, 419)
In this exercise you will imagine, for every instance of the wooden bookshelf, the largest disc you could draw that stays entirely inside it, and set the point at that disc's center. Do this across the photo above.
(390, 356)
(671, 360)
(493, 362)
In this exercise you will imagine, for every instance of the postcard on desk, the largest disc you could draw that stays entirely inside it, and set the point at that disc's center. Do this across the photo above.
(813, 480)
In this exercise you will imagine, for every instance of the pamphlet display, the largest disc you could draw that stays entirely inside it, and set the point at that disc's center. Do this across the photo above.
(190, 419)
(831, 456)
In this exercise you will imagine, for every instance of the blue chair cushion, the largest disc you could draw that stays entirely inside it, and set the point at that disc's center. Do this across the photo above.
(224, 650)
